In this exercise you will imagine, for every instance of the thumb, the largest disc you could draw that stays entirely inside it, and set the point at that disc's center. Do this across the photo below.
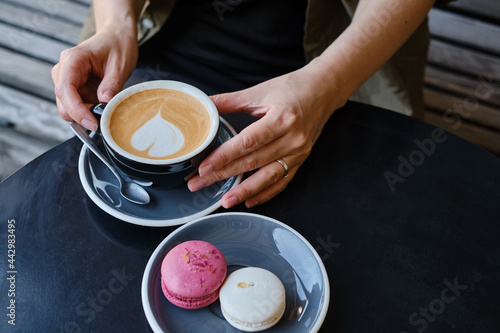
(111, 84)
(232, 102)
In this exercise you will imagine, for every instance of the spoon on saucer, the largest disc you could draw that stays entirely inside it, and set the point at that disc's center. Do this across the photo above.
(128, 188)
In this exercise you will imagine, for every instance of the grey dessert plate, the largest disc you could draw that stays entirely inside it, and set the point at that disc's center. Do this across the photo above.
(245, 240)
(167, 207)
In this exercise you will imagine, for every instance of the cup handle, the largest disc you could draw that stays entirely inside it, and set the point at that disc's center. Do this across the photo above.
(97, 110)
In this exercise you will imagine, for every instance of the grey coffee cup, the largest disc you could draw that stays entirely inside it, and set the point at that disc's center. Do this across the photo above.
(163, 173)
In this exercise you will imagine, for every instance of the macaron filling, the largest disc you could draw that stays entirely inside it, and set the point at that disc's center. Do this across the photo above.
(256, 325)
(183, 301)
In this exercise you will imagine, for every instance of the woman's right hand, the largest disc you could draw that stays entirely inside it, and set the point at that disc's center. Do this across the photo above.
(93, 71)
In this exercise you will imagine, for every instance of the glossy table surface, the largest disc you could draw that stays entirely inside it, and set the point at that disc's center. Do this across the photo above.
(405, 217)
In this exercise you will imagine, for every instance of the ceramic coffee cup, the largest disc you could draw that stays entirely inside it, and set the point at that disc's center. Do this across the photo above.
(158, 131)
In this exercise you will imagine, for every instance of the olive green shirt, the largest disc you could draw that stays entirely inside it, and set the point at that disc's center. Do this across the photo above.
(397, 85)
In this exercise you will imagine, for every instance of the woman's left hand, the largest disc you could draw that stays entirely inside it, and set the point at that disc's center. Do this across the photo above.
(291, 120)
(295, 107)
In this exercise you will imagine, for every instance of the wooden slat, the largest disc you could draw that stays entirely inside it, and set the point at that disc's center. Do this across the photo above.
(33, 116)
(464, 60)
(463, 72)
(29, 20)
(487, 139)
(63, 9)
(26, 74)
(464, 30)
(481, 88)
(486, 8)
(468, 108)
(17, 149)
(31, 44)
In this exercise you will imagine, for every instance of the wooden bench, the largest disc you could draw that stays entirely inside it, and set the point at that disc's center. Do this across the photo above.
(462, 92)
(32, 35)
(462, 83)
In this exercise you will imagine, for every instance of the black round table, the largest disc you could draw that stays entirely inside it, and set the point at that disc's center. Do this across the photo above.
(405, 216)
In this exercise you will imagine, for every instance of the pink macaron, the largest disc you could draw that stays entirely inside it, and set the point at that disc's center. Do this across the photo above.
(192, 273)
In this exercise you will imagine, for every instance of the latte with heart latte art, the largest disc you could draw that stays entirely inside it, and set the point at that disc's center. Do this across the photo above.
(160, 124)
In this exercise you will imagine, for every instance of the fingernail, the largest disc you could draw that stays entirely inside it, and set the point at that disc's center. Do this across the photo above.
(250, 204)
(206, 169)
(89, 124)
(197, 185)
(231, 201)
(108, 94)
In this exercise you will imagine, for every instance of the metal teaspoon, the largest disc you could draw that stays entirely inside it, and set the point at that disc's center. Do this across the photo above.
(128, 189)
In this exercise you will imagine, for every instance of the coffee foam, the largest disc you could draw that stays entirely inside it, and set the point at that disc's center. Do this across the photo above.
(159, 124)
(160, 136)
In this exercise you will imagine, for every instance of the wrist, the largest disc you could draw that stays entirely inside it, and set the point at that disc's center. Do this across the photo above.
(324, 85)
(124, 37)
(126, 28)
(119, 15)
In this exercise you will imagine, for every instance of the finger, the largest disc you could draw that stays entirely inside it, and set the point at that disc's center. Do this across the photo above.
(248, 162)
(111, 84)
(62, 114)
(70, 104)
(118, 68)
(249, 140)
(266, 195)
(230, 102)
(72, 107)
(258, 188)
(65, 116)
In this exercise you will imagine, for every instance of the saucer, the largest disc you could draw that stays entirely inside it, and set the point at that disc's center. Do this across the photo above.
(246, 240)
(167, 207)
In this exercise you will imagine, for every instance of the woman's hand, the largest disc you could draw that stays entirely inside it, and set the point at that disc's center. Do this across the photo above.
(295, 107)
(291, 119)
(92, 72)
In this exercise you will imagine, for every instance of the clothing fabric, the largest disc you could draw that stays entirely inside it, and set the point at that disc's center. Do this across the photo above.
(222, 47)
(397, 85)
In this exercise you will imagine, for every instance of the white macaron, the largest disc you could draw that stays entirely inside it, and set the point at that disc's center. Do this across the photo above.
(252, 299)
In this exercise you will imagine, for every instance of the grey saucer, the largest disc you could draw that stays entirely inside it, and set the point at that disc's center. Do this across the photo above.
(167, 207)
(245, 240)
